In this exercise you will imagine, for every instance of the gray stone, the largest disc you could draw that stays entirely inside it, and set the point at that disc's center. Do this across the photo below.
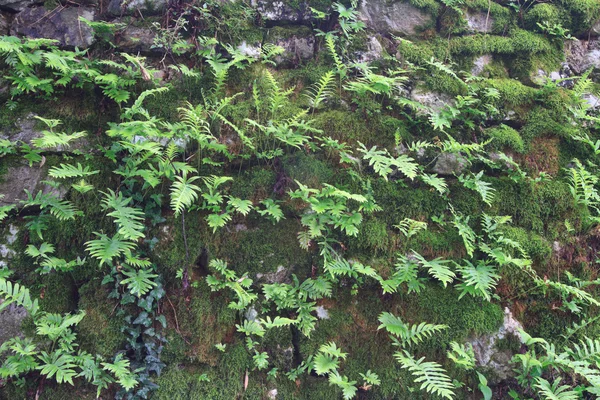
(129, 7)
(596, 29)
(397, 17)
(135, 39)
(298, 44)
(480, 63)
(11, 320)
(4, 23)
(250, 50)
(433, 101)
(18, 5)
(272, 394)
(373, 52)
(25, 130)
(582, 54)
(592, 101)
(322, 312)
(450, 164)
(279, 11)
(479, 22)
(63, 25)
(6, 252)
(251, 314)
(488, 355)
(280, 276)
(19, 178)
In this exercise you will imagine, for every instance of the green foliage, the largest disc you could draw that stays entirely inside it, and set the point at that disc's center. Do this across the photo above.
(429, 374)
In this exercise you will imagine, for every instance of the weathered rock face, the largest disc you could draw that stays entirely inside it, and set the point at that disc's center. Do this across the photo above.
(128, 7)
(281, 11)
(10, 322)
(433, 100)
(63, 25)
(397, 17)
(480, 63)
(479, 22)
(582, 54)
(450, 164)
(298, 43)
(137, 40)
(488, 355)
(374, 51)
(17, 5)
(250, 50)
(4, 23)
(20, 178)
(24, 130)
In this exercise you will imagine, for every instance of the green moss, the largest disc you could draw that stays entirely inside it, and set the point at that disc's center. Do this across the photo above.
(373, 236)
(263, 248)
(505, 136)
(512, 92)
(536, 246)
(584, 14)
(255, 183)
(464, 317)
(307, 169)
(546, 12)
(100, 330)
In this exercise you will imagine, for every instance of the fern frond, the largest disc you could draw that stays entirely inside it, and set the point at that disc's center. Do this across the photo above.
(321, 90)
(552, 391)
(70, 171)
(183, 193)
(431, 375)
(408, 334)
(105, 248)
(17, 294)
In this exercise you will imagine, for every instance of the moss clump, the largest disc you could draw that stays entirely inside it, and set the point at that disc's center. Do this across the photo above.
(255, 183)
(535, 245)
(100, 331)
(464, 317)
(546, 12)
(512, 92)
(307, 169)
(584, 14)
(505, 136)
(263, 248)
(207, 313)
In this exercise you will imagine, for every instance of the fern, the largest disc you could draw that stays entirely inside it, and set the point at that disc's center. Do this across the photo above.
(436, 268)
(128, 219)
(410, 227)
(430, 374)
(408, 334)
(183, 193)
(462, 355)
(105, 248)
(482, 187)
(321, 91)
(552, 391)
(71, 171)
(139, 282)
(478, 280)
(581, 184)
(383, 164)
(16, 294)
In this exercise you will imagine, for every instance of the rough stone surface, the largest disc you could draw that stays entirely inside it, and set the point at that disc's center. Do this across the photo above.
(282, 275)
(250, 50)
(322, 312)
(17, 5)
(6, 252)
(486, 352)
(4, 23)
(479, 22)
(24, 130)
(433, 100)
(397, 17)
(137, 40)
(374, 51)
(298, 46)
(21, 177)
(450, 164)
(281, 11)
(596, 29)
(128, 7)
(63, 25)
(480, 63)
(582, 54)
(10, 322)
